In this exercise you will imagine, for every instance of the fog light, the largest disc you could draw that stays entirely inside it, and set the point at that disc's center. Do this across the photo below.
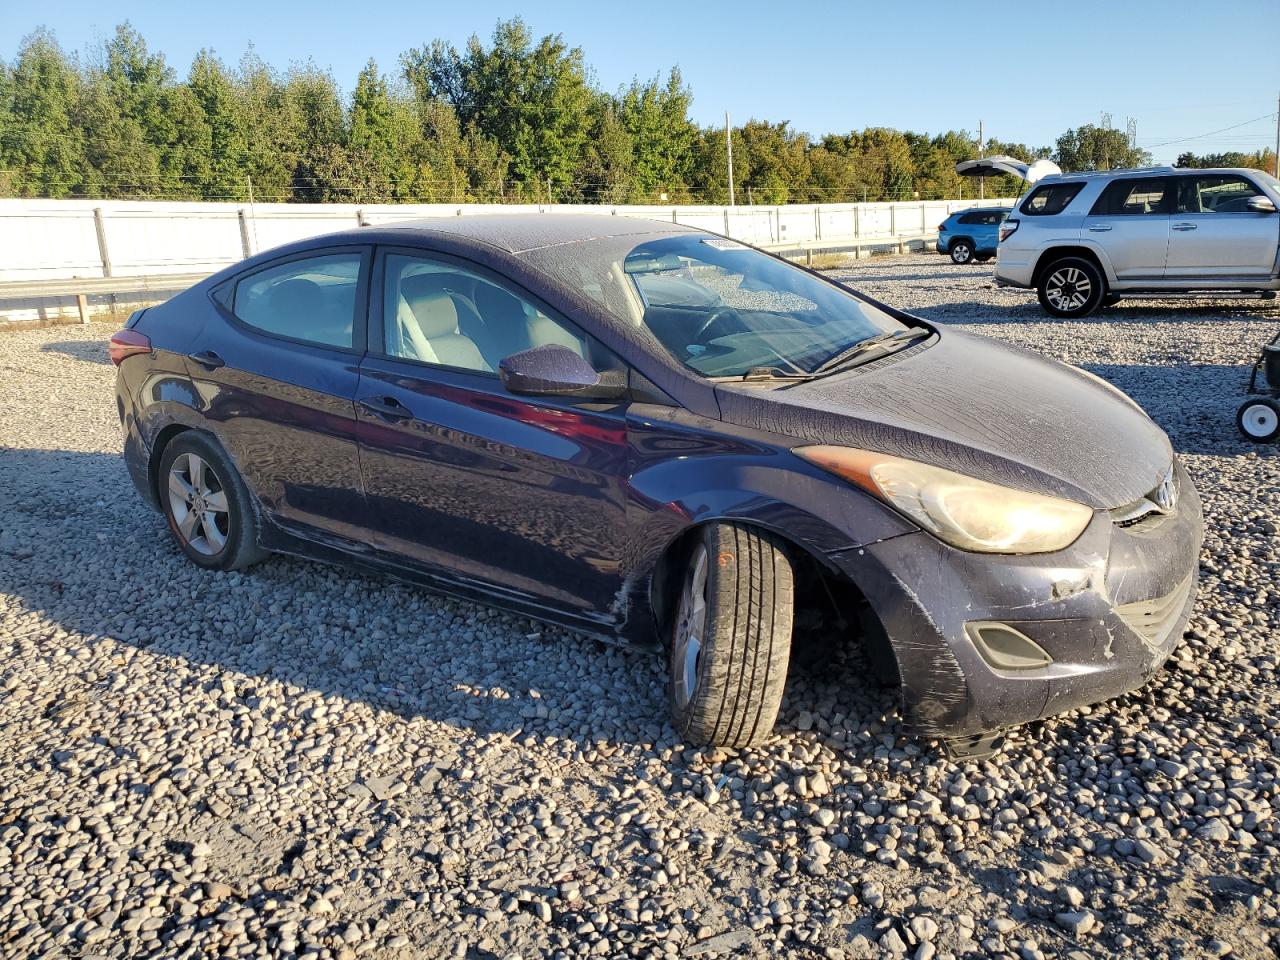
(1005, 648)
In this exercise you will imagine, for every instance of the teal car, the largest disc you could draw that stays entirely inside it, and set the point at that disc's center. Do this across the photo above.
(972, 234)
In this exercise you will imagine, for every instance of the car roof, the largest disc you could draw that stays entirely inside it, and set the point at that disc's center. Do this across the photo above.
(521, 232)
(1144, 172)
(958, 213)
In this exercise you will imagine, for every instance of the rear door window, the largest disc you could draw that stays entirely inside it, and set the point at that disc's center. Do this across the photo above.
(1050, 198)
(312, 299)
(1134, 197)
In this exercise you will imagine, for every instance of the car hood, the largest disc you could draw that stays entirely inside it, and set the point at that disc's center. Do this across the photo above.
(983, 408)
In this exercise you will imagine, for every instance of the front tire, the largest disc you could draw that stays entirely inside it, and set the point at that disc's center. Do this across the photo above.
(207, 505)
(961, 252)
(731, 637)
(1071, 288)
(1259, 420)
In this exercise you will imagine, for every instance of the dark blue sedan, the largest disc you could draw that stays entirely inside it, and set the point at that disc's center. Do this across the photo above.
(661, 436)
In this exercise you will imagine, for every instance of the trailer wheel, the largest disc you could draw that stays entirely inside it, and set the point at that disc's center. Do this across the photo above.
(1259, 419)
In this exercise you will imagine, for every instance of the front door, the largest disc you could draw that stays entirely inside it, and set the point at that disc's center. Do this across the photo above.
(1130, 224)
(277, 375)
(525, 495)
(1214, 234)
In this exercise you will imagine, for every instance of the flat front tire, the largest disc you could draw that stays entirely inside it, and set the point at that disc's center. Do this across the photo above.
(1071, 287)
(731, 636)
(208, 508)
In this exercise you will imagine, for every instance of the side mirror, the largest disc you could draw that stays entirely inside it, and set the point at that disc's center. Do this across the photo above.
(552, 370)
(1260, 205)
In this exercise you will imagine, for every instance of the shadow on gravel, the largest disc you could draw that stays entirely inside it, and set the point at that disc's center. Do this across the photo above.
(78, 349)
(105, 566)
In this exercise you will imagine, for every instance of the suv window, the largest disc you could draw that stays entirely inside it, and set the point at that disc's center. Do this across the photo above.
(971, 218)
(1050, 198)
(437, 312)
(1216, 193)
(1134, 197)
(313, 299)
(993, 218)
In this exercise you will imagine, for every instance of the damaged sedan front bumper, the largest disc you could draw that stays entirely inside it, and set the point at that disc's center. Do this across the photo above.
(985, 641)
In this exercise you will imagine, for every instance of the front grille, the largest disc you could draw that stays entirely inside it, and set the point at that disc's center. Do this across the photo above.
(1153, 619)
(1160, 502)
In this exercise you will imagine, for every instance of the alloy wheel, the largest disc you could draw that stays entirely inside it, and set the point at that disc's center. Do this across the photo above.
(1069, 288)
(961, 253)
(198, 503)
(691, 623)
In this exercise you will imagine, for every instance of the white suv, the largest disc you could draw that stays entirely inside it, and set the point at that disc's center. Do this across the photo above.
(1085, 240)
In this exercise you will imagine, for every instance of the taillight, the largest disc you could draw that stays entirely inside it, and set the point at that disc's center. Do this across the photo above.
(942, 227)
(1007, 229)
(125, 343)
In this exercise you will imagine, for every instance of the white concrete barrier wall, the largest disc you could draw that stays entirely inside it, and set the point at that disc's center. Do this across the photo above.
(65, 239)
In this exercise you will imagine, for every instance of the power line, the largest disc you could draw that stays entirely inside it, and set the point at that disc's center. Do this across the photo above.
(1202, 136)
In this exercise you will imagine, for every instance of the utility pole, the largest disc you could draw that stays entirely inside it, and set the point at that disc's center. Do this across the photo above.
(253, 216)
(982, 186)
(728, 139)
(1277, 170)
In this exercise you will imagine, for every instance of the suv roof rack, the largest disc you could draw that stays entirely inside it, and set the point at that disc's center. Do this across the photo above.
(1114, 172)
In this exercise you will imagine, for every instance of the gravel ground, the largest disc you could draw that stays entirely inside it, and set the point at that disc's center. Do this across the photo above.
(302, 760)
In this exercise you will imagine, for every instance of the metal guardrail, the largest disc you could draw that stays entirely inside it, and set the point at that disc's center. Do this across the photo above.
(84, 287)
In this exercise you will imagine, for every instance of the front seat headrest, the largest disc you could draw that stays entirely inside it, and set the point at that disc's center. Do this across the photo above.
(432, 307)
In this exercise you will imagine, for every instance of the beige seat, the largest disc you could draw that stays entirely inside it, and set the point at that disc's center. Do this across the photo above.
(435, 316)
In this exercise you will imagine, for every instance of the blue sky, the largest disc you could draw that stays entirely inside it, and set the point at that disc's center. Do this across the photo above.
(1028, 70)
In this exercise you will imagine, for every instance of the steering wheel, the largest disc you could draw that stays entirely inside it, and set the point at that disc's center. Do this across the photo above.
(714, 317)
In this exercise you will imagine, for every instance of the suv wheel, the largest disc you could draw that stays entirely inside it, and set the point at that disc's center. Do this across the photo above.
(731, 639)
(961, 251)
(1259, 420)
(1071, 287)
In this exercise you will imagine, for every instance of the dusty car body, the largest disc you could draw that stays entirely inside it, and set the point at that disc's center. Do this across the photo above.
(582, 509)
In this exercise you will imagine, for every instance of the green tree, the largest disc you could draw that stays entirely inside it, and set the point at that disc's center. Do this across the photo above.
(219, 98)
(41, 144)
(655, 117)
(312, 111)
(1097, 148)
(533, 99)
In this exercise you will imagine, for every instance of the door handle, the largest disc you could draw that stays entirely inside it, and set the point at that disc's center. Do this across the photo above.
(207, 359)
(1100, 228)
(1184, 226)
(389, 408)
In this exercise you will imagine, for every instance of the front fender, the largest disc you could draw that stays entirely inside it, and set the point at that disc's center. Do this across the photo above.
(686, 471)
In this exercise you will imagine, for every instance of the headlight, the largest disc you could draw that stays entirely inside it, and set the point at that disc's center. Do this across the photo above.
(966, 513)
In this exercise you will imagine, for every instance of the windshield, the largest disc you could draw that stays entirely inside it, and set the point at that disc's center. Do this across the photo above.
(1268, 179)
(724, 309)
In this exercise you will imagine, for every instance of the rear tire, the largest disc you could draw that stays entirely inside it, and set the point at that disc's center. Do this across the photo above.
(961, 252)
(1071, 288)
(207, 505)
(731, 637)
(1259, 420)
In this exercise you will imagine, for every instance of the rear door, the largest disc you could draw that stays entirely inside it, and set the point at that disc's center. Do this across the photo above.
(1215, 235)
(1130, 223)
(277, 378)
(524, 494)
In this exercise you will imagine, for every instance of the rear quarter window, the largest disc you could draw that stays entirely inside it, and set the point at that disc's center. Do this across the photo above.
(1050, 198)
